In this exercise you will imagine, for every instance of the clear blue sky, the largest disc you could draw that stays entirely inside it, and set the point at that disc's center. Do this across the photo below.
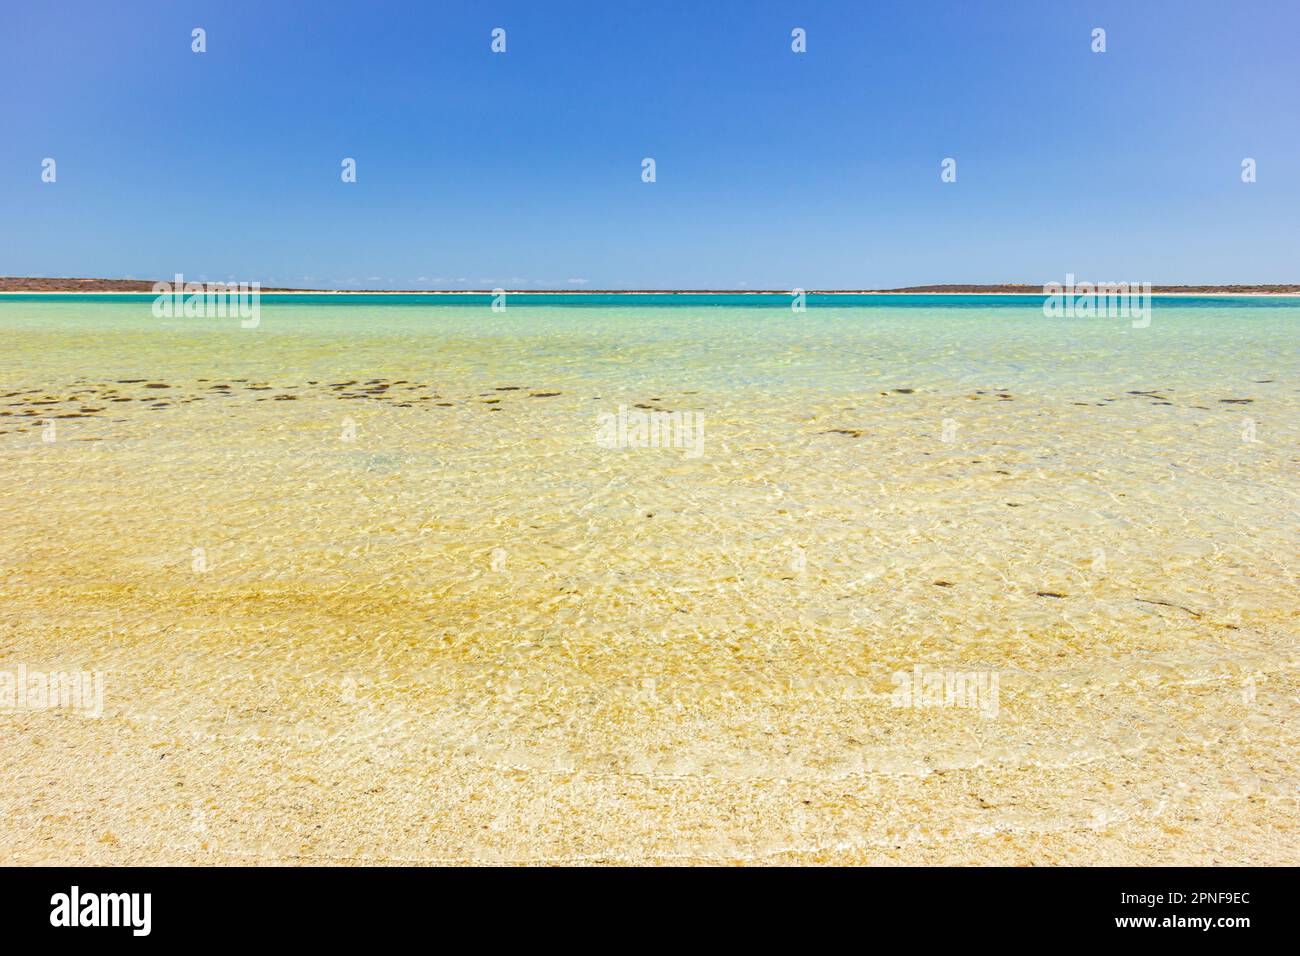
(774, 169)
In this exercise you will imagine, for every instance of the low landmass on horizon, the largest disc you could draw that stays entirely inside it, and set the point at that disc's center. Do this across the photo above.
(34, 284)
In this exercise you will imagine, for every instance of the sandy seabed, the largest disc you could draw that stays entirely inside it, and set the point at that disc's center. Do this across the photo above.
(382, 598)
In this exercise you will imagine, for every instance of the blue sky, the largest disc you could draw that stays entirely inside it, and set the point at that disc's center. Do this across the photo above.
(774, 169)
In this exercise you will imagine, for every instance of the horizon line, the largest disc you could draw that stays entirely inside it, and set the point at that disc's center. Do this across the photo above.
(59, 285)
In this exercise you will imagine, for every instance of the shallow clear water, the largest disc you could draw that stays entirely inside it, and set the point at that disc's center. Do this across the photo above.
(367, 577)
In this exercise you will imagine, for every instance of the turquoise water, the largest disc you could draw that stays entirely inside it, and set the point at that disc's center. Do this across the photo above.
(681, 300)
(840, 342)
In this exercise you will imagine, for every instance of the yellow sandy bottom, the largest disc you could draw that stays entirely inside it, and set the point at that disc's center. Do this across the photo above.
(338, 630)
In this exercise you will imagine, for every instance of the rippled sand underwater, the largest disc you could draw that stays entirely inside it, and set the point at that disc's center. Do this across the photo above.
(364, 587)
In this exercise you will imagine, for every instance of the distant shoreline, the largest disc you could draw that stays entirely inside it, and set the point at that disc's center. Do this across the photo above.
(41, 286)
